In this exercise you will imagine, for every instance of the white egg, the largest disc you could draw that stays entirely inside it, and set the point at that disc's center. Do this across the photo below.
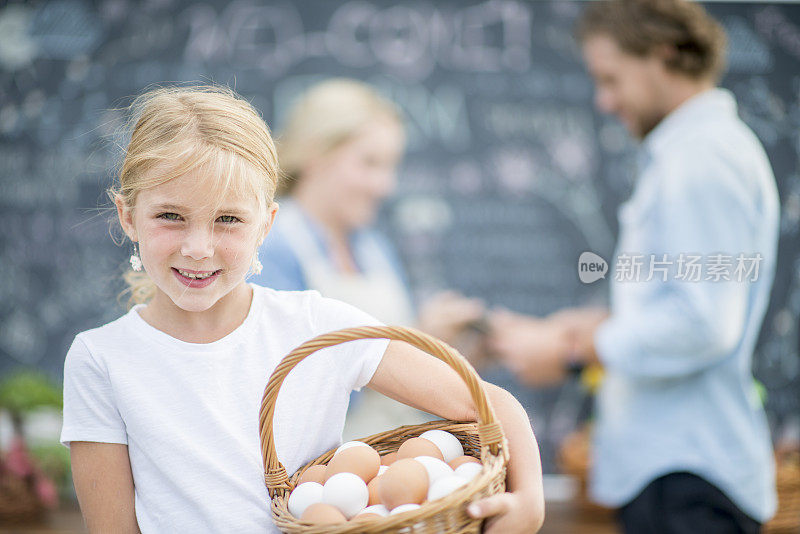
(446, 442)
(445, 486)
(375, 509)
(349, 444)
(304, 496)
(347, 492)
(403, 508)
(435, 467)
(468, 471)
(382, 469)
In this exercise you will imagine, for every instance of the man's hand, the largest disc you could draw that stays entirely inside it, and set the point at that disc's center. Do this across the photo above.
(535, 350)
(580, 325)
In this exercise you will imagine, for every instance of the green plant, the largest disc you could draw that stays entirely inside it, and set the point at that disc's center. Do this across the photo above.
(26, 390)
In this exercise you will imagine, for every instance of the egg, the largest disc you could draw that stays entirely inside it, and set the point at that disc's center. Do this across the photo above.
(382, 469)
(405, 482)
(365, 517)
(462, 460)
(378, 509)
(362, 461)
(468, 471)
(447, 443)
(372, 489)
(304, 496)
(315, 473)
(389, 459)
(347, 492)
(349, 444)
(404, 508)
(323, 514)
(414, 447)
(436, 468)
(445, 486)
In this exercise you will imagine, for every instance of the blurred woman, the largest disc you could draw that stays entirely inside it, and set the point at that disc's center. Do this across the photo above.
(339, 150)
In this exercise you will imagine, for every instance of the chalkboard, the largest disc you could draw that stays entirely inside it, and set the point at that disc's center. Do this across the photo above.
(509, 175)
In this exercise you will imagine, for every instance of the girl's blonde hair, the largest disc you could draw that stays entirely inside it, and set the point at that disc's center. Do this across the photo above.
(177, 130)
(325, 117)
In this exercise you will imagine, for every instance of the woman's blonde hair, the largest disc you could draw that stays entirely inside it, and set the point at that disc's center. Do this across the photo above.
(177, 130)
(326, 116)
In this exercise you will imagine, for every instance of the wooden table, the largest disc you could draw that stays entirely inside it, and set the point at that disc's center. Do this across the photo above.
(66, 520)
(567, 518)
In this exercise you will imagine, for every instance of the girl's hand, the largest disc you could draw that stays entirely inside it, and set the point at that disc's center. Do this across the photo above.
(509, 513)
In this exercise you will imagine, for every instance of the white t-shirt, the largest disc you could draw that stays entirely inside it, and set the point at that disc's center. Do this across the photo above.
(189, 412)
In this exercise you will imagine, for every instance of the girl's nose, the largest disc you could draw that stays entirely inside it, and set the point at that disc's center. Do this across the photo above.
(198, 243)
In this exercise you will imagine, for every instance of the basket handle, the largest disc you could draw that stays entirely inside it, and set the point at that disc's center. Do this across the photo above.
(489, 430)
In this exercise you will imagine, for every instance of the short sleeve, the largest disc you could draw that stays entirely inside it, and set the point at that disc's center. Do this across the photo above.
(90, 412)
(360, 359)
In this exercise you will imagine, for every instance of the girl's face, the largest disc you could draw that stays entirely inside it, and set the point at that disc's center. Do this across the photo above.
(194, 246)
(358, 175)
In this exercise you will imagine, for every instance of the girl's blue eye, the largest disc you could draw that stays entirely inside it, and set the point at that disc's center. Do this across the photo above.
(169, 216)
(228, 219)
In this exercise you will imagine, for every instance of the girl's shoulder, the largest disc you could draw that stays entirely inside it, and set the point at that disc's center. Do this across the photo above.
(285, 302)
(309, 306)
(118, 329)
(91, 346)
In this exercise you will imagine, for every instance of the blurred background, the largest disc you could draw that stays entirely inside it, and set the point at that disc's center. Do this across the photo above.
(509, 173)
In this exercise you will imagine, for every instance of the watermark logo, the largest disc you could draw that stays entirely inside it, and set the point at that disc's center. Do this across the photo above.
(591, 267)
(632, 267)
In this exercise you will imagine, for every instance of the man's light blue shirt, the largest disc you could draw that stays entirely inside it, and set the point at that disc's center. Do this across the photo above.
(679, 394)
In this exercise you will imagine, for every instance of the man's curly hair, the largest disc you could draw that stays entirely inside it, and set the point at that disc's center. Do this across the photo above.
(697, 41)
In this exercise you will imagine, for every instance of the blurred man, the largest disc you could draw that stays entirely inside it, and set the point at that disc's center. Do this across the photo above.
(681, 443)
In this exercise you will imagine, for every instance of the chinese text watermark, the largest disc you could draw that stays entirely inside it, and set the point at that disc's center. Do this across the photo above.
(631, 267)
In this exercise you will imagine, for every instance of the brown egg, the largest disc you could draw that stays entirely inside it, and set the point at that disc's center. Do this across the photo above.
(323, 514)
(361, 461)
(315, 473)
(372, 487)
(418, 447)
(405, 482)
(389, 459)
(359, 517)
(463, 460)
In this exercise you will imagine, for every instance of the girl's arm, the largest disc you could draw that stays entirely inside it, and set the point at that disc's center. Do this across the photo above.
(413, 377)
(103, 482)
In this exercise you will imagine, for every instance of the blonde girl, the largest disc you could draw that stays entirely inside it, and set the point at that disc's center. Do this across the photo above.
(161, 405)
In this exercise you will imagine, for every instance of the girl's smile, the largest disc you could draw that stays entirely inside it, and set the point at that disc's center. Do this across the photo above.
(196, 279)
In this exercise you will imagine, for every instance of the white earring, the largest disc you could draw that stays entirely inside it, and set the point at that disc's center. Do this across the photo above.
(136, 261)
(257, 265)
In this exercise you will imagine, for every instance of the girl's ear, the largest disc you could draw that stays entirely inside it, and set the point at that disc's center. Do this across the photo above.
(271, 213)
(125, 215)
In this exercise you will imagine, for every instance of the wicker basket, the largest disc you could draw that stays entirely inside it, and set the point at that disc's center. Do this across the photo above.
(787, 518)
(443, 516)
